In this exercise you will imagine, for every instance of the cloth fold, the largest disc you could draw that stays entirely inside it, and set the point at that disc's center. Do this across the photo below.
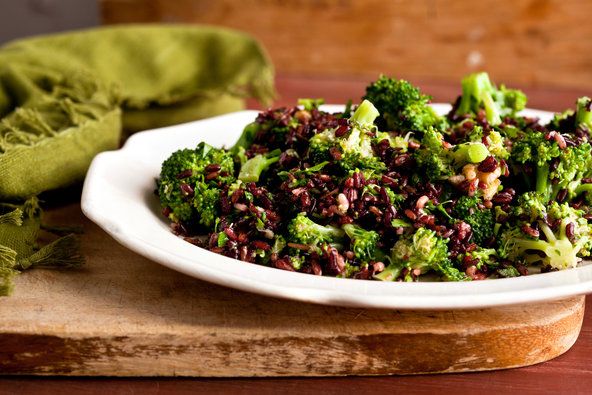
(66, 97)
(19, 229)
(62, 96)
(157, 66)
(56, 119)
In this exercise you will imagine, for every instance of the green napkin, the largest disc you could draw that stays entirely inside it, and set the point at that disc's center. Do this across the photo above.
(19, 228)
(60, 95)
(178, 68)
(64, 98)
(55, 119)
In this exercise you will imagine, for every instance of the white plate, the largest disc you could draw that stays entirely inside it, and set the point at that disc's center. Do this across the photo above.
(118, 195)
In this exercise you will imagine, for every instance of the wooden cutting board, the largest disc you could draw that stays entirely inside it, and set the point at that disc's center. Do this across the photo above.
(123, 315)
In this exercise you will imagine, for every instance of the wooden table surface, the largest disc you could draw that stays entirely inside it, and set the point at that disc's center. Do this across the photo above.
(569, 373)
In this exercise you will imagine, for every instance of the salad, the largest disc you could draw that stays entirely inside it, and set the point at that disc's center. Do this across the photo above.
(390, 190)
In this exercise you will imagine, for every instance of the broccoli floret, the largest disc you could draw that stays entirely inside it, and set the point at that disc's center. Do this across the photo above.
(311, 104)
(435, 167)
(206, 202)
(363, 242)
(402, 106)
(182, 181)
(530, 206)
(496, 145)
(278, 244)
(357, 154)
(439, 162)
(433, 140)
(449, 273)
(398, 142)
(355, 146)
(558, 250)
(584, 114)
(575, 163)
(484, 256)
(481, 220)
(304, 230)
(510, 100)
(432, 157)
(251, 170)
(479, 93)
(534, 149)
(319, 146)
(485, 260)
(508, 271)
(423, 250)
(569, 121)
(297, 261)
(571, 164)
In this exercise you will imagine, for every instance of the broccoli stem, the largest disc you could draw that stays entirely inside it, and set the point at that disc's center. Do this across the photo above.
(304, 230)
(471, 153)
(468, 87)
(365, 114)
(440, 208)
(449, 272)
(252, 169)
(558, 248)
(584, 112)
(330, 232)
(246, 138)
(310, 104)
(542, 180)
(549, 233)
(477, 89)
(491, 111)
(363, 242)
(390, 273)
(582, 188)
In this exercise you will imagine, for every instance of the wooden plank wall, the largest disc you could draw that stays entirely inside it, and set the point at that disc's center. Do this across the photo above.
(529, 42)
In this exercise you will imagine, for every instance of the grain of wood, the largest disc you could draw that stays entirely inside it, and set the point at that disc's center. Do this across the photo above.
(533, 42)
(123, 315)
